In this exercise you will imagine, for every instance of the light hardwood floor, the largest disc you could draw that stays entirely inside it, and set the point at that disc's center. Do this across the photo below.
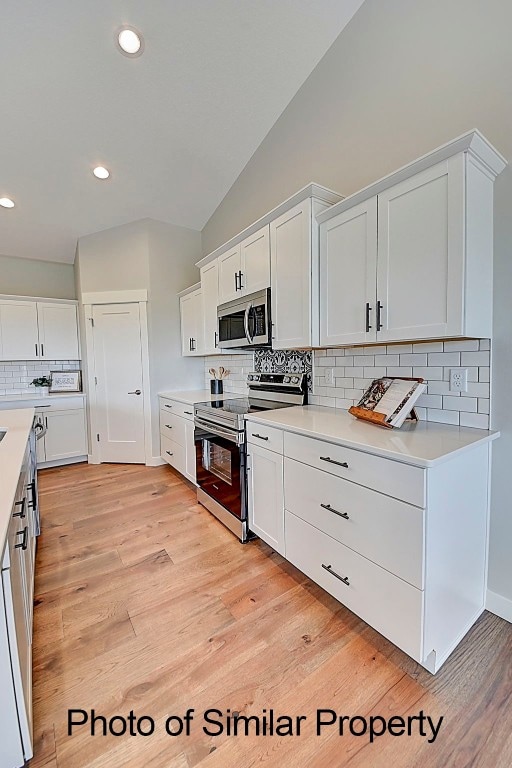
(145, 602)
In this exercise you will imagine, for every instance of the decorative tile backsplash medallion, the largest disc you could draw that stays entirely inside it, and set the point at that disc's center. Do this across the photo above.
(285, 361)
(15, 377)
(354, 368)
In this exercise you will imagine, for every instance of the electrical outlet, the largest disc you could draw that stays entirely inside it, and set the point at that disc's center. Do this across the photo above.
(329, 377)
(458, 379)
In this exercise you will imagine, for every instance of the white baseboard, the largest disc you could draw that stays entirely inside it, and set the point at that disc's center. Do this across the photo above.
(155, 461)
(499, 605)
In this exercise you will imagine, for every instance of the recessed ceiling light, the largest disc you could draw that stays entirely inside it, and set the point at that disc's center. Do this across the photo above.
(130, 41)
(6, 202)
(101, 173)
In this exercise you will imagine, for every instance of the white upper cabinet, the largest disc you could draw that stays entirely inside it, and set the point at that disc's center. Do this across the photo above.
(229, 274)
(19, 338)
(423, 236)
(191, 310)
(210, 290)
(31, 330)
(58, 331)
(254, 262)
(348, 262)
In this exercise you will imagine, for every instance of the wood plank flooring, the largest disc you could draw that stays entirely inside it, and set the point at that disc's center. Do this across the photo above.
(145, 602)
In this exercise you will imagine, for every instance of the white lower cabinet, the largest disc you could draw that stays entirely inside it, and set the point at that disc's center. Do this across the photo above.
(65, 436)
(402, 546)
(177, 446)
(265, 496)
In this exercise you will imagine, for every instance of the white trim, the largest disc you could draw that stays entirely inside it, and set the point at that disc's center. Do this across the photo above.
(186, 291)
(146, 381)
(62, 462)
(91, 385)
(115, 297)
(155, 461)
(472, 142)
(499, 605)
(310, 190)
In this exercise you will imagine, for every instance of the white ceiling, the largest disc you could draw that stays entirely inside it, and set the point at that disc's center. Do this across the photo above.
(175, 126)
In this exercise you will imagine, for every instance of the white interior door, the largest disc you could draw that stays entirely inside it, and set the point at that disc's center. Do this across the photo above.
(118, 371)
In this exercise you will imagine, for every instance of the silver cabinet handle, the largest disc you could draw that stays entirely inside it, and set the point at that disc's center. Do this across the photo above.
(137, 392)
(261, 437)
(37, 355)
(332, 461)
(329, 569)
(335, 511)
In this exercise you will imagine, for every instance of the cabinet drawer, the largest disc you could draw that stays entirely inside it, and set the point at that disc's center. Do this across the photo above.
(385, 530)
(267, 437)
(173, 427)
(402, 481)
(59, 404)
(173, 453)
(179, 409)
(390, 605)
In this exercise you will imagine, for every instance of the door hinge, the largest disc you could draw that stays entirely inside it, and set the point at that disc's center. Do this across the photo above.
(98, 437)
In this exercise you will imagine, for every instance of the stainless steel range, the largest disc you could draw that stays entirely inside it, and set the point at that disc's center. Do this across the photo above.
(221, 443)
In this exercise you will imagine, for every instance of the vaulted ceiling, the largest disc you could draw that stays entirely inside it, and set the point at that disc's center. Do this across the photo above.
(175, 126)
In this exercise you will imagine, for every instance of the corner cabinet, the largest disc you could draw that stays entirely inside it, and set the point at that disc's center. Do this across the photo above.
(414, 259)
(191, 313)
(38, 330)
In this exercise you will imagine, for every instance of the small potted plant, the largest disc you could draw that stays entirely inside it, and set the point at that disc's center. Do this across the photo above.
(42, 383)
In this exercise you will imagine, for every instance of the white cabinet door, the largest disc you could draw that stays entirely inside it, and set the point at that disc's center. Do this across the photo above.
(58, 331)
(255, 262)
(65, 437)
(190, 451)
(191, 309)
(229, 274)
(420, 278)
(210, 289)
(18, 331)
(290, 250)
(266, 496)
(348, 264)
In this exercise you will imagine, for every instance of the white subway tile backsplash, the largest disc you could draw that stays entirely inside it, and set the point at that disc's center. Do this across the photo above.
(479, 420)
(430, 360)
(475, 358)
(16, 378)
(444, 359)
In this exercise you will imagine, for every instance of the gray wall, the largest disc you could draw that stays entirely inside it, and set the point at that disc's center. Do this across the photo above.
(402, 78)
(32, 277)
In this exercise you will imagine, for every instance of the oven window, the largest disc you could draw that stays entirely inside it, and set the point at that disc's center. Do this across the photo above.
(217, 460)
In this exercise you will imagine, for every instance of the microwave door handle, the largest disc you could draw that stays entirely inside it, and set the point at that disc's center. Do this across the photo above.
(246, 323)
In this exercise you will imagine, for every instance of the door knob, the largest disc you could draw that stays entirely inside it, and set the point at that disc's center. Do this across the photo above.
(137, 392)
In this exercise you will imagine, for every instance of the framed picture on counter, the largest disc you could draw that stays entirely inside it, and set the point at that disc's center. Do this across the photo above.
(65, 381)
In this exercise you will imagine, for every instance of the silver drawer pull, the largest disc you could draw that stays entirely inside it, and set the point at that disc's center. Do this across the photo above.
(261, 437)
(332, 461)
(344, 579)
(335, 511)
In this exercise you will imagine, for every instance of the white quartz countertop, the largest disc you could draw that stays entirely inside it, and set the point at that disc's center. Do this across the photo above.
(17, 424)
(33, 399)
(423, 443)
(198, 396)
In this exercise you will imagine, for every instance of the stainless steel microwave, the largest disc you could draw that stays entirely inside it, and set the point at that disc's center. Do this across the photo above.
(245, 322)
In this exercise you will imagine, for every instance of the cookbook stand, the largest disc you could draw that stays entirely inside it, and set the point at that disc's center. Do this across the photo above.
(375, 417)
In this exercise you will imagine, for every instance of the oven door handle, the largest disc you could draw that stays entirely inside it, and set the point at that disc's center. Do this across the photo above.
(246, 324)
(215, 429)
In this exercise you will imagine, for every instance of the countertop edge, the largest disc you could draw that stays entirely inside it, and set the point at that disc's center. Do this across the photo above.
(487, 437)
(13, 446)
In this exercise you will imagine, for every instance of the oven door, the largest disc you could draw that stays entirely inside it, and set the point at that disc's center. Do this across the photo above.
(220, 467)
(245, 322)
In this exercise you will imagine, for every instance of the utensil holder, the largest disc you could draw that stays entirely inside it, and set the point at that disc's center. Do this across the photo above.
(216, 386)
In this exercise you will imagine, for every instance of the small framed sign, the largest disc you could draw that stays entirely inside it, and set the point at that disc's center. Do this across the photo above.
(65, 381)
